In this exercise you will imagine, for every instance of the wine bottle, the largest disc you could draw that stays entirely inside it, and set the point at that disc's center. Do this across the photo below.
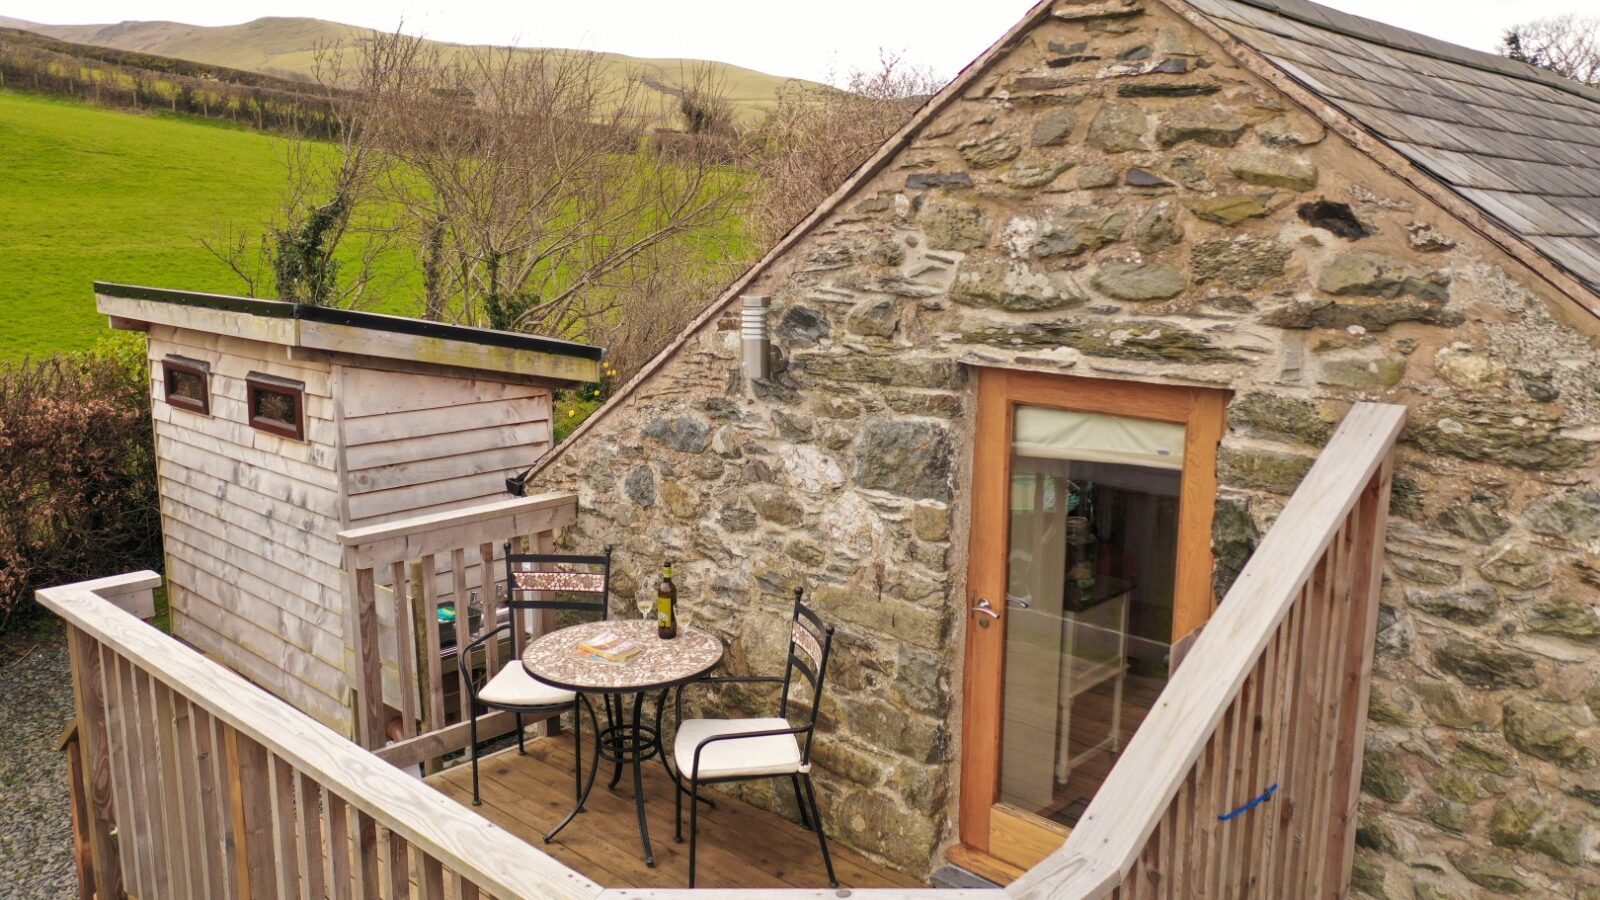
(667, 605)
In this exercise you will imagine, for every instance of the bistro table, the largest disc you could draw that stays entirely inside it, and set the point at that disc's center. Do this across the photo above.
(663, 664)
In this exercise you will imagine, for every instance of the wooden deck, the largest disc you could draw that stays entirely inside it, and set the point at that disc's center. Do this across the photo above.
(740, 846)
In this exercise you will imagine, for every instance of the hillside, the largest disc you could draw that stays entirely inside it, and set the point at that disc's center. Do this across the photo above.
(94, 194)
(285, 48)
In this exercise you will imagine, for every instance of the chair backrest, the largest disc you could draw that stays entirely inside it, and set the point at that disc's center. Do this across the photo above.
(810, 643)
(557, 581)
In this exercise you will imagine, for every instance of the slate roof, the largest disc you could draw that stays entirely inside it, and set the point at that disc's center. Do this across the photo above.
(1520, 143)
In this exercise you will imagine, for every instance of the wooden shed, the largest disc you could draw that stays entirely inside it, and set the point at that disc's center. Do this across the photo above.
(278, 425)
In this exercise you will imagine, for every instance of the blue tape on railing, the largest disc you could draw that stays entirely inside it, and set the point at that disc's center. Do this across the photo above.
(1249, 806)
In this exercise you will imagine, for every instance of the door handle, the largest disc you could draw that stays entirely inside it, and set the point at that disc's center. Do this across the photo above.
(984, 607)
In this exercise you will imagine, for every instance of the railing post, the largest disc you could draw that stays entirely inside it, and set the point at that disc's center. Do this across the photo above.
(105, 879)
(1371, 518)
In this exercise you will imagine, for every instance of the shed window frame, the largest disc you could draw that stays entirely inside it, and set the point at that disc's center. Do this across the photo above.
(171, 365)
(257, 384)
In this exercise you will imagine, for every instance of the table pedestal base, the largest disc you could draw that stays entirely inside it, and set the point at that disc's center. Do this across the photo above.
(627, 740)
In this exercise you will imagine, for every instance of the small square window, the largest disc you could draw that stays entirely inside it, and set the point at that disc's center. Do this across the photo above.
(277, 405)
(188, 384)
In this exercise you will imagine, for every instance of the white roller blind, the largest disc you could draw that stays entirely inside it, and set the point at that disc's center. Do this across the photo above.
(1044, 433)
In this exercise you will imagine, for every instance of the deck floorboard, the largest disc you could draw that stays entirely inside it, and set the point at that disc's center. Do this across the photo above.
(740, 845)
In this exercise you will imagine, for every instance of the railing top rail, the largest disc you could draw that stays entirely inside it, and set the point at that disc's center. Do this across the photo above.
(1125, 811)
(494, 859)
(441, 532)
(483, 512)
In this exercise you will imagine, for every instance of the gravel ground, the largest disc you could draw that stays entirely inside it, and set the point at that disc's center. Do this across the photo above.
(35, 824)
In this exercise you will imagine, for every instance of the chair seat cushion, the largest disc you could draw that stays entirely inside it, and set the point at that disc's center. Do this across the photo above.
(513, 686)
(742, 757)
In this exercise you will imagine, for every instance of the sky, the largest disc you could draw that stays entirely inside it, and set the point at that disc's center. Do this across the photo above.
(812, 39)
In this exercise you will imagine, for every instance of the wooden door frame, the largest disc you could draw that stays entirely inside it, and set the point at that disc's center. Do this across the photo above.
(1202, 412)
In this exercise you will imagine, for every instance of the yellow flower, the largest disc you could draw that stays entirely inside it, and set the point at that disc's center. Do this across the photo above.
(571, 413)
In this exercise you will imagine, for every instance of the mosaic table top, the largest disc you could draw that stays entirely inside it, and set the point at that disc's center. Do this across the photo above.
(555, 658)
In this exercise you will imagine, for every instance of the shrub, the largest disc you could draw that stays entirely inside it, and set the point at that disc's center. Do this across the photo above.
(77, 470)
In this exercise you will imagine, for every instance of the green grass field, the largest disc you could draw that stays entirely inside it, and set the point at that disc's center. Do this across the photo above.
(88, 194)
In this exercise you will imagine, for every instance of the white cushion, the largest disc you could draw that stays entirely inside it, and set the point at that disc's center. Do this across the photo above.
(513, 686)
(770, 755)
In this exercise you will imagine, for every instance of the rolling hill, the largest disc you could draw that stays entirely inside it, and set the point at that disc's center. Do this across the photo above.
(286, 48)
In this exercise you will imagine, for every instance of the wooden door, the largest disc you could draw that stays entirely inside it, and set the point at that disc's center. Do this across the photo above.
(1042, 673)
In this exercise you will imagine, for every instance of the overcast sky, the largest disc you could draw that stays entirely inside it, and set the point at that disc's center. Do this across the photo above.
(808, 39)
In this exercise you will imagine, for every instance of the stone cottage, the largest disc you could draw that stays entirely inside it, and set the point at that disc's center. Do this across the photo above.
(1261, 211)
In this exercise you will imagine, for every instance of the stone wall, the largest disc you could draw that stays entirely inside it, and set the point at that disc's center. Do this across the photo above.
(1115, 198)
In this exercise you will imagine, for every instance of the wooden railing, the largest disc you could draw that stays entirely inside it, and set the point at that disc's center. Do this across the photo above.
(399, 573)
(201, 785)
(1270, 702)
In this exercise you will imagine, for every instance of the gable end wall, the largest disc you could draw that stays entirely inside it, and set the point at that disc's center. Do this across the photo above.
(1135, 212)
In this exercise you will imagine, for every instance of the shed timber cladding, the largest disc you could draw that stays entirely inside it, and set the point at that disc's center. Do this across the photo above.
(249, 518)
(1520, 143)
(417, 444)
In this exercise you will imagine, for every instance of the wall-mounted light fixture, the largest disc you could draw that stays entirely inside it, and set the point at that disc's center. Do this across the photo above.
(753, 330)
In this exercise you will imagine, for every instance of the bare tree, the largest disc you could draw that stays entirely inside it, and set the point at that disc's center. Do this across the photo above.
(816, 136)
(1568, 45)
(329, 196)
(528, 185)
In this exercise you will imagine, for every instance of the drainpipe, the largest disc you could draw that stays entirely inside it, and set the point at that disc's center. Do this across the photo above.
(753, 330)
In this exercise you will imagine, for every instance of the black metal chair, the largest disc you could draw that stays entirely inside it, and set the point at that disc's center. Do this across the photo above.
(712, 751)
(537, 581)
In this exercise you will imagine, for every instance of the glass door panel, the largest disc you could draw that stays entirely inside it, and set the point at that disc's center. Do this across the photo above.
(1090, 566)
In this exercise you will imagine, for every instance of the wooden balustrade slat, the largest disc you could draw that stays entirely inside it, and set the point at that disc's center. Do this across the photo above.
(491, 604)
(431, 882)
(308, 834)
(458, 587)
(148, 770)
(1292, 635)
(226, 810)
(96, 756)
(430, 622)
(280, 781)
(366, 843)
(399, 868)
(1257, 774)
(202, 793)
(174, 793)
(212, 798)
(132, 830)
(340, 882)
(1238, 790)
(405, 641)
(1312, 786)
(117, 749)
(249, 797)
(1332, 653)
(1216, 777)
(190, 796)
(369, 679)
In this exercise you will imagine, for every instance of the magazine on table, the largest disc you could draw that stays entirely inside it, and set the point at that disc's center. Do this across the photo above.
(609, 646)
